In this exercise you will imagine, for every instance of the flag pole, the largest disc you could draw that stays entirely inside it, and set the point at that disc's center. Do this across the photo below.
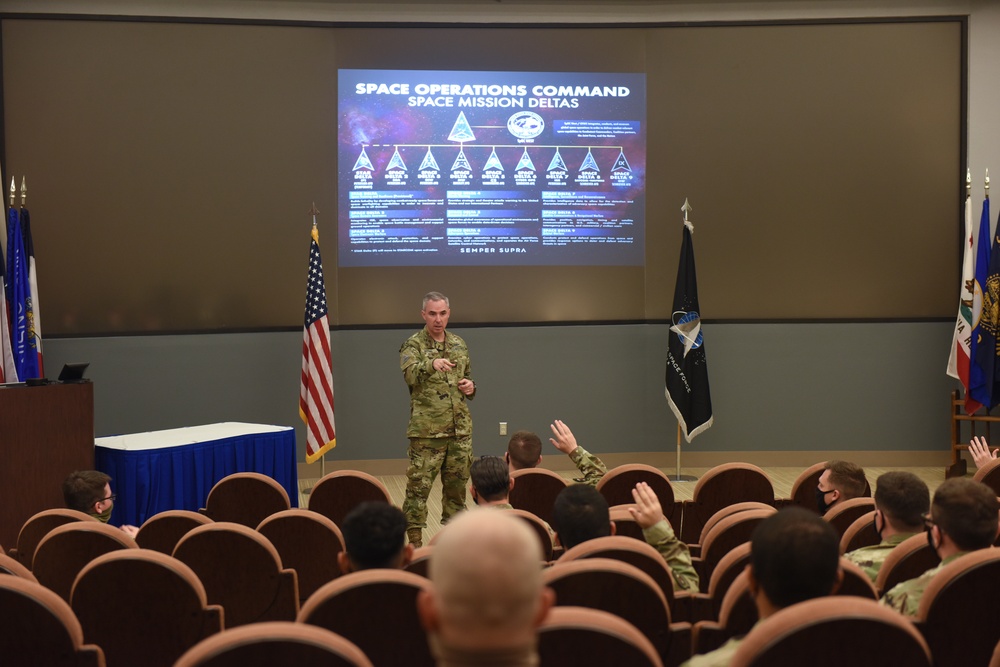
(678, 477)
(313, 211)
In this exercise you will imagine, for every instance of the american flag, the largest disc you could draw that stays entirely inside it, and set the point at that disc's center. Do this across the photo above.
(316, 388)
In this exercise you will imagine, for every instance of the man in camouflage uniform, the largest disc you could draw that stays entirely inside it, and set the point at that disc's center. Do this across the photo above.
(580, 513)
(901, 500)
(525, 451)
(436, 367)
(963, 518)
(794, 557)
(491, 483)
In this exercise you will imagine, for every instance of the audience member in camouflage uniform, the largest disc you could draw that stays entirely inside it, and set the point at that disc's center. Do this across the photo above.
(981, 452)
(840, 481)
(486, 597)
(901, 500)
(491, 483)
(374, 538)
(581, 513)
(436, 367)
(963, 518)
(794, 557)
(525, 451)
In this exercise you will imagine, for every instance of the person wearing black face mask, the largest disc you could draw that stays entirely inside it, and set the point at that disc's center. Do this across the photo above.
(89, 491)
(963, 518)
(901, 500)
(840, 481)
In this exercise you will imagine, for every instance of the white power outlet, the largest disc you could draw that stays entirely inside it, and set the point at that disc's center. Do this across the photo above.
(503, 428)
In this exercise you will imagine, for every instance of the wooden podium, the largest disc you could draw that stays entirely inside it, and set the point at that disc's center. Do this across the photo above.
(46, 432)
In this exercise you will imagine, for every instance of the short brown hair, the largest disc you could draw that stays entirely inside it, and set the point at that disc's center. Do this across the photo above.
(83, 488)
(848, 478)
(524, 449)
(904, 499)
(966, 511)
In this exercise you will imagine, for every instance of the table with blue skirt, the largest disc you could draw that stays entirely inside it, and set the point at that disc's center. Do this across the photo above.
(176, 468)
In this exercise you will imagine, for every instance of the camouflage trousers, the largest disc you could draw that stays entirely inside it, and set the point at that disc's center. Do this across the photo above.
(428, 456)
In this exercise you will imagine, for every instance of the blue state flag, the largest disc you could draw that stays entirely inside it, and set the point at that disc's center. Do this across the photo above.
(982, 350)
(19, 298)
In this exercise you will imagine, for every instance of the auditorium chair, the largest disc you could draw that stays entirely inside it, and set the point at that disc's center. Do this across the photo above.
(38, 526)
(737, 614)
(13, 567)
(39, 628)
(989, 475)
(623, 590)
(708, 605)
(728, 533)
(535, 491)
(959, 612)
(307, 542)
(722, 514)
(856, 582)
(626, 526)
(161, 532)
(336, 494)
(377, 611)
(574, 636)
(617, 484)
(843, 514)
(143, 607)
(642, 556)
(421, 560)
(804, 487)
(241, 571)
(909, 559)
(272, 644)
(723, 485)
(64, 552)
(861, 533)
(833, 630)
(246, 498)
(540, 528)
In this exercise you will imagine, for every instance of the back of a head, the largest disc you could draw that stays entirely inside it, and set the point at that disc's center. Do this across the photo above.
(524, 450)
(487, 578)
(82, 488)
(795, 556)
(490, 478)
(848, 478)
(966, 511)
(580, 513)
(904, 498)
(374, 535)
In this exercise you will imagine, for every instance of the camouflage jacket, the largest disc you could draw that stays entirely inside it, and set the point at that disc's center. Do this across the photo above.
(720, 657)
(905, 597)
(437, 408)
(593, 468)
(870, 558)
(661, 536)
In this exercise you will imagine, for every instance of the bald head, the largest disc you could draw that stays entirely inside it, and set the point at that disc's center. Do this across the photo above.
(486, 578)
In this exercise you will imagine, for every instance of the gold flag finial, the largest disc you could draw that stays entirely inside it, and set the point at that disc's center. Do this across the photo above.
(686, 208)
(968, 182)
(315, 231)
(987, 182)
(24, 191)
(13, 190)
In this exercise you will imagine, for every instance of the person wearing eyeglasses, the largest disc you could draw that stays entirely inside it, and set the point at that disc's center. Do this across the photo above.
(89, 491)
(963, 518)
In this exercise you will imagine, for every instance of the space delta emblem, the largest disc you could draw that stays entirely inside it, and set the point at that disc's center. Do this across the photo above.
(525, 125)
(687, 326)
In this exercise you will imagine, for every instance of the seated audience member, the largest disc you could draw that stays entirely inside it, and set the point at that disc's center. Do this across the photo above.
(525, 451)
(581, 513)
(89, 491)
(374, 538)
(840, 481)
(981, 453)
(963, 518)
(794, 556)
(491, 482)
(486, 599)
(901, 500)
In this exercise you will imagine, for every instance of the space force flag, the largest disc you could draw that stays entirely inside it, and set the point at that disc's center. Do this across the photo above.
(687, 369)
(316, 386)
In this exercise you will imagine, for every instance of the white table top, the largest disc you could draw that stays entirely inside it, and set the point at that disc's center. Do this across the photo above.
(189, 435)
